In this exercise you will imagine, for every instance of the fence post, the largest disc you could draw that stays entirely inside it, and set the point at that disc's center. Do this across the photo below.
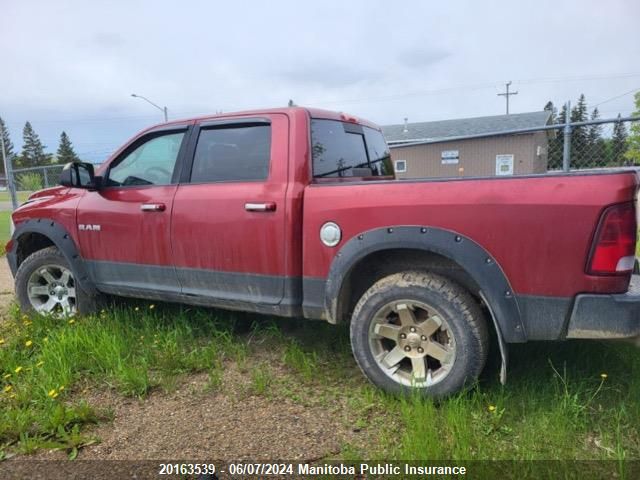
(566, 150)
(8, 172)
(46, 177)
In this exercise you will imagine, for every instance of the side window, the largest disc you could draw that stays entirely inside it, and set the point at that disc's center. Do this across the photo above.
(232, 154)
(379, 154)
(151, 163)
(335, 150)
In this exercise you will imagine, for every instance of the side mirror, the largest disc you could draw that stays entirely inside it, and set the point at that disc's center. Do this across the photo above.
(79, 175)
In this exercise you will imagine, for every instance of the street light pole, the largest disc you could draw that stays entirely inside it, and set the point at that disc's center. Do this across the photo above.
(162, 109)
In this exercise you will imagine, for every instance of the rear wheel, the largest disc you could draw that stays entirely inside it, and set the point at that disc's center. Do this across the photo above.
(45, 283)
(418, 331)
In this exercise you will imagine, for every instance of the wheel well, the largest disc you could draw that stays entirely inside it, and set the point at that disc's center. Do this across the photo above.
(31, 242)
(382, 263)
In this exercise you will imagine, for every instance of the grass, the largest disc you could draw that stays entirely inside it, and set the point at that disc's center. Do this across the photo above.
(22, 196)
(5, 229)
(563, 401)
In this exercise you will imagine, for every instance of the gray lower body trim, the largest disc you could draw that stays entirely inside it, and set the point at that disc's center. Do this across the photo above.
(607, 316)
(545, 318)
(313, 299)
(272, 294)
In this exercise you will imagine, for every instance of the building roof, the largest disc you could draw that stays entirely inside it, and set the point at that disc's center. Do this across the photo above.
(443, 130)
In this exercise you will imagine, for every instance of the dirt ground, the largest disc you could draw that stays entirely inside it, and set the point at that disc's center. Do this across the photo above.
(6, 284)
(196, 422)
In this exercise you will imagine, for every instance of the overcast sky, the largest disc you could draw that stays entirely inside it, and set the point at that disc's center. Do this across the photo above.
(72, 65)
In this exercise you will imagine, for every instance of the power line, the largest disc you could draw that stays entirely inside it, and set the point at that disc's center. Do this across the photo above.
(468, 87)
(617, 96)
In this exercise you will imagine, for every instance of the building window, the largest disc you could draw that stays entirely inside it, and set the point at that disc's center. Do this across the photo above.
(400, 166)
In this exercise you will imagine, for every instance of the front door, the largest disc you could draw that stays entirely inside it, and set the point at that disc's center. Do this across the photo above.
(229, 213)
(124, 228)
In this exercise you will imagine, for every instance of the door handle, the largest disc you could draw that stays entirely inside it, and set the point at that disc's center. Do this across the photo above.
(260, 207)
(152, 207)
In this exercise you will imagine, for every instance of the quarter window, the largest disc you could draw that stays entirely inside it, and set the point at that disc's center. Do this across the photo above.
(151, 163)
(232, 154)
(343, 149)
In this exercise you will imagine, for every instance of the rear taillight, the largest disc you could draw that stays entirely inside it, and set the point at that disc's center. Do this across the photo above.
(614, 246)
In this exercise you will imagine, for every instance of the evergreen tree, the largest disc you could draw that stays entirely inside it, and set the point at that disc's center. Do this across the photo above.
(8, 145)
(66, 153)
(32, 149)
(595, 149)
(579, 140)
(618, 143)
(556, 140)
(562, 116)
(633, 142)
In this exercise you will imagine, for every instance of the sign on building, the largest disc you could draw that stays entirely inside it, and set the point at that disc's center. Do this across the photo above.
(504, 164)
(450, 157)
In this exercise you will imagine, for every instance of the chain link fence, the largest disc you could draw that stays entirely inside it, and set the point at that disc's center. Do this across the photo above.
(598, 144)
(37, 178)
(590, 145)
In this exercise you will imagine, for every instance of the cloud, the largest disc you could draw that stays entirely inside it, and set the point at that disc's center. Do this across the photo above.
(420, 57)
(325, 73)
(72, 65)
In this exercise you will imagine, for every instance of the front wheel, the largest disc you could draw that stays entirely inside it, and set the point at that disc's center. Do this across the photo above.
(419, 331)
(45, 283)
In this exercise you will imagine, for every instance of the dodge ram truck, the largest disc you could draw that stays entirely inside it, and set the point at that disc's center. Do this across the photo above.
(296, 212)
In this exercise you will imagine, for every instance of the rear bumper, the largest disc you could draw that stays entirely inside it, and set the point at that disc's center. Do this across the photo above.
(607, 316)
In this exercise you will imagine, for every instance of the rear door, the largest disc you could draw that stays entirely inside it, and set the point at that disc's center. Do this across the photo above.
(228, 225)
(124, 228)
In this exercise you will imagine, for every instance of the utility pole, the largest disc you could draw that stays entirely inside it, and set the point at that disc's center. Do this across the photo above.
(507, 94)
(8, 173)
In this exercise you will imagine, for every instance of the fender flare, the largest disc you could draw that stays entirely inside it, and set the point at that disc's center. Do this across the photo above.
(61, 239)
(474, 259)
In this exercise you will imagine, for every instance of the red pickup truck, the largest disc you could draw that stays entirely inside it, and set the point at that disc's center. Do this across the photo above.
(296, 212)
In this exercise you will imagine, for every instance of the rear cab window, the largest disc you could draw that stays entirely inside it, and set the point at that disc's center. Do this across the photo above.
(344, 149)
(236, 153)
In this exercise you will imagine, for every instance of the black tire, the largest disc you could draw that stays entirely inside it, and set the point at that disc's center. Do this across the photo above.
(452, 307)
(85, 303)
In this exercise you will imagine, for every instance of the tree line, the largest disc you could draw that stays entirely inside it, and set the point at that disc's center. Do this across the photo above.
(589, 147)
(33, 152)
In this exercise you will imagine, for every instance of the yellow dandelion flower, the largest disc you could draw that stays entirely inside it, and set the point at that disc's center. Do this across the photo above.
(603, 375)
(492, 408)
(1, 341)
(152, 306)
(6, 376)
(55, 395)
(18, 369)
(7, 389)
(28, 343)
(52, 392)
(13, 395)
(71, 322)
(61, 388)
(40, 363)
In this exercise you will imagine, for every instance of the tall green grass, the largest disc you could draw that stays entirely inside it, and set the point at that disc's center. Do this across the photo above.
(43, 360)
(569, 400)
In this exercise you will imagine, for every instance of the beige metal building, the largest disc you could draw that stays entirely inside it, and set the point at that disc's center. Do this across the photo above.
(444, 149)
